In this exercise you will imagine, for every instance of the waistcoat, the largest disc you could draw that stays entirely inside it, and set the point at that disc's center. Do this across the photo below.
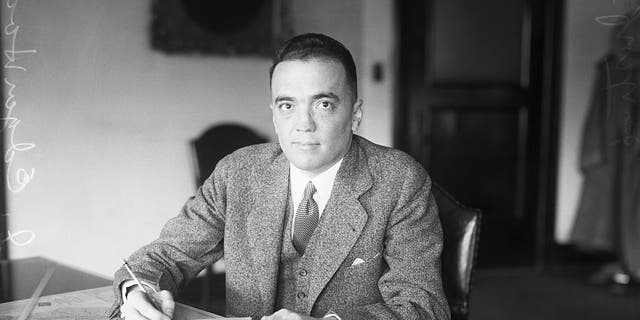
(293, 276)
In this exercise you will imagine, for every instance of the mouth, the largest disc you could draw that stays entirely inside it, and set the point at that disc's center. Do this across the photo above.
(305, 145)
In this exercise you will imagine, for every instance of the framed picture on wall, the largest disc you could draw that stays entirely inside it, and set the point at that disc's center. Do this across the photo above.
(226, 28)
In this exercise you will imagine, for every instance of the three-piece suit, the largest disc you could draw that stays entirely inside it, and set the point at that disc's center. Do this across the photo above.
(375, 253)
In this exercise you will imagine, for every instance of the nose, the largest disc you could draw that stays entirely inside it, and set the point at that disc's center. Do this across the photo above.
(305, 121)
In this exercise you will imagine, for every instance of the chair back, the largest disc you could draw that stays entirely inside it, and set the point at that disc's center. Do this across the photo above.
(217, 142)
(460, 226)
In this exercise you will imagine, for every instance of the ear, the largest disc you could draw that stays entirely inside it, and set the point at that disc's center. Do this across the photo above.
(273, 119)
(356, 115)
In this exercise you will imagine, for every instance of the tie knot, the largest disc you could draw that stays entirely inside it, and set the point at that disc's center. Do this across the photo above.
(309, 190)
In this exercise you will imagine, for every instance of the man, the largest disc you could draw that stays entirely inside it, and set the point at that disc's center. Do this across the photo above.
(322, 224)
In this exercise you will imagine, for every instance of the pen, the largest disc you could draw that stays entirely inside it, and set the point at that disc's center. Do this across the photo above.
(153, 302)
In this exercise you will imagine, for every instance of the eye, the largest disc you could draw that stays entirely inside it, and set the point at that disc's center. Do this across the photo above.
(285, 106)
(326, 105)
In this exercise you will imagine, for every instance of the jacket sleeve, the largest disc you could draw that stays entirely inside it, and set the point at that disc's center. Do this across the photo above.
(412, 286)
(187, 243)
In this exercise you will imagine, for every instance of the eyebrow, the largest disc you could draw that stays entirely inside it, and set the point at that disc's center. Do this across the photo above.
(318, 96)
(330, 95)
(280, 99)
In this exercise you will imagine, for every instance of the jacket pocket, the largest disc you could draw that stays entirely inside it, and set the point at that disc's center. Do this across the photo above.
(364, 267)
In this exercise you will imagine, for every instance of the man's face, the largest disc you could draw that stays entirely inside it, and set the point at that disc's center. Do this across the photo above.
(314, 112)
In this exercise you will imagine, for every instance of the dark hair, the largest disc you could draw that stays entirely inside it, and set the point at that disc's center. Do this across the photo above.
(309, 46)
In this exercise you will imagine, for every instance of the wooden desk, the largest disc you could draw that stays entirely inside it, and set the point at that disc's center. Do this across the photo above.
(69, 294)
(19, 278)
(86, 304)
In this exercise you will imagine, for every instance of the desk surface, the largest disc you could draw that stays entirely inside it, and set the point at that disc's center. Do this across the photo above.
(20, 277)
(86, 304)
(69, 294)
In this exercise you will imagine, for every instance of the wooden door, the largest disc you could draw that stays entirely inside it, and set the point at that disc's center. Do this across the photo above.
(476, 90)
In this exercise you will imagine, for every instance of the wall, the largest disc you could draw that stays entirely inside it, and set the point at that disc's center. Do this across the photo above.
(367, 29)
(586, 41)
(378, 47)
(111, 121)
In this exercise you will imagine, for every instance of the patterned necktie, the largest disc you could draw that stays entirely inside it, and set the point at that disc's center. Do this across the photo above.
(306, 219)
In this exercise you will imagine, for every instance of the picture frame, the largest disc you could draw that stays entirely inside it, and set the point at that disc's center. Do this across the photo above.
(224, 28)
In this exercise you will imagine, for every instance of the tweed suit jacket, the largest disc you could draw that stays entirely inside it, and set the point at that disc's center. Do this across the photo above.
(381, 211)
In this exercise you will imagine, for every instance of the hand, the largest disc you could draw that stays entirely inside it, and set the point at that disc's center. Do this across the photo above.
(139, 306)
(284, 314)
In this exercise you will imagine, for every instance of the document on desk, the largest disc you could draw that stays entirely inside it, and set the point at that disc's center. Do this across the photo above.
(185, 312)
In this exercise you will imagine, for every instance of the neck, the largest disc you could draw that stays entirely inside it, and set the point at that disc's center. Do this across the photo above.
(312, 174)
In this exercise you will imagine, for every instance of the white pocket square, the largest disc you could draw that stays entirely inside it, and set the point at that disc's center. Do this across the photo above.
(357, 261)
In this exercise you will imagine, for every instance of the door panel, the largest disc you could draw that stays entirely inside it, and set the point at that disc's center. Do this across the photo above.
(471, 93)
(464, 33)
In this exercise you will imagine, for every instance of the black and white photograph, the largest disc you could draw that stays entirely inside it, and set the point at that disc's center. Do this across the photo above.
(337, 159)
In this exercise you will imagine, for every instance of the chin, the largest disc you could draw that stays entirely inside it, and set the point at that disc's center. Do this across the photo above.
(306, 165)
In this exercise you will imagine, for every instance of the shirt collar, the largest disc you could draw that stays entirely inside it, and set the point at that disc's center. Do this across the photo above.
(323, 183)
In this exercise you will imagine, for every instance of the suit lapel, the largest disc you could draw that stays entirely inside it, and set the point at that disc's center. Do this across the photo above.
(264, 227)
(341, 223)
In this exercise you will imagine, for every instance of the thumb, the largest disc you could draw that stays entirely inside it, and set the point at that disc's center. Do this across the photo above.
(166, 302)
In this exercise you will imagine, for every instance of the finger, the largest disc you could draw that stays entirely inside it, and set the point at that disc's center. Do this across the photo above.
(141, 303)
(134, 315)
(167, 304)
(127, 311)
(273, 316)
(150, 312)
(282, 314)
(290, 315)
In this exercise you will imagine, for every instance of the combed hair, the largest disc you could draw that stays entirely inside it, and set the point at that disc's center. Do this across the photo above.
(310, 46)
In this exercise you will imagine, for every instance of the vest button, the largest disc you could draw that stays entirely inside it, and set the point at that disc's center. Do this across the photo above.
(301, 295)
(303, 272)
